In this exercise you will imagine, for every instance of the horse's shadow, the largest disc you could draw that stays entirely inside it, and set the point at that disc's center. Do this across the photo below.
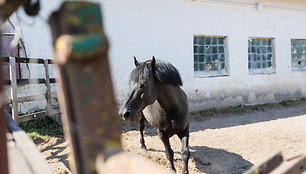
(215, 161)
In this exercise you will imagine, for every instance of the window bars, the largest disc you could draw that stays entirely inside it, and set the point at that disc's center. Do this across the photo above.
(298, 54)
(209, 55)
(260, 54)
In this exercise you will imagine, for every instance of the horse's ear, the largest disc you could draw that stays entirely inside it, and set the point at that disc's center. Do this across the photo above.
(153, 62)
(136, 62)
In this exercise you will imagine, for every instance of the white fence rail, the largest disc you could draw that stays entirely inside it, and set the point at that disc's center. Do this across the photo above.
(13, 82)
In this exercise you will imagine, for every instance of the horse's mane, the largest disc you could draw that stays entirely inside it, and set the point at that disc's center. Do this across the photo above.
(163, 72)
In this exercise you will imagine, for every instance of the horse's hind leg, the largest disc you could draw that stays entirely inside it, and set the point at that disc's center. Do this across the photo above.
(169, 151)
(184, 136)
(141, 128)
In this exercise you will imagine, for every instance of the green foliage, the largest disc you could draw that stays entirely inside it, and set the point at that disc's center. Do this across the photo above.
(42, 128)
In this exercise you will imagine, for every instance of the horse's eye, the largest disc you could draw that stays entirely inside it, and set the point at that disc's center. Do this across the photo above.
(142, 85)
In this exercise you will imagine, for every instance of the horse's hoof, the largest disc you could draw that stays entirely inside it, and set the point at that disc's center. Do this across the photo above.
(143, 147)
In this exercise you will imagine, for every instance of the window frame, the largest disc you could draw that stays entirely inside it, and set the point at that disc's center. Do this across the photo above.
(294, 69)
(269, 70)
(220, 73)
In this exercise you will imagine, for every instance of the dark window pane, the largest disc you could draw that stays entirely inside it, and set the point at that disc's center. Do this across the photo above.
(201, 58)
(269, 64)
(214, 49)
(214, 41)
(202, 67)
(258, 65)
(207, 40)
(209, 54)
(220, 41)
(195, 66)
(196, 58)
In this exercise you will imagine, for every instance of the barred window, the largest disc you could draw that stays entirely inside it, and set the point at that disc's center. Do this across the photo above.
(298, 54)
(209, 56)
(260, 55)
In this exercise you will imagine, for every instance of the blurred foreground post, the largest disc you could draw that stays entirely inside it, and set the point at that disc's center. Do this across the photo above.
(89, 111)
(88, 106)
(3, 129)
(6, 9)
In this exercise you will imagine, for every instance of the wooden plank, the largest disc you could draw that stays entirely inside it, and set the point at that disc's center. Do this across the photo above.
(267, 166)
(28, 60)
(30, 154)
(296, 165)
(34, 81)
(31, 98)
(28, 117)
(14, 89)
(5, 59)
(36, 115)
(47, 84)
(17, 164)
(24, 156)
(29, 81)
(51, 61)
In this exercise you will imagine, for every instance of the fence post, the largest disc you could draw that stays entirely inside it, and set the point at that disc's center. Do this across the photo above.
(89, 111)
(14, 89)
(47, 83)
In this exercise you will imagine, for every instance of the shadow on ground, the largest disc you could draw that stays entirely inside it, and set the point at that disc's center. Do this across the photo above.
(215, 161)
(231, 120)
(58, 150)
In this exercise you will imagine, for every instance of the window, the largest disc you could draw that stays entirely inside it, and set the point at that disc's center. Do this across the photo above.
(260, 55)
(298, 54)
(209, 56)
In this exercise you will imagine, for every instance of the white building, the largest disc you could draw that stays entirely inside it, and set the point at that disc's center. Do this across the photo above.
(228, 52)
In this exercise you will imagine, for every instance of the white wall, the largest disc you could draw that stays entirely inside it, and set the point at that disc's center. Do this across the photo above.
(165, 29)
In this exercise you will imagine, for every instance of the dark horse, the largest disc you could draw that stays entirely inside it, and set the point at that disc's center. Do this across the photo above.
(155, 95)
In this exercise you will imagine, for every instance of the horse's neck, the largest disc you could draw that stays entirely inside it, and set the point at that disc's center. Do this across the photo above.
(168, 96)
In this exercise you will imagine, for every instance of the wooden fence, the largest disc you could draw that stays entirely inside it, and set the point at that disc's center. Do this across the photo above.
(13, 82)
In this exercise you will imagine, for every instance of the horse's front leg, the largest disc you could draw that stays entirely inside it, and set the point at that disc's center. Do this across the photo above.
(184, 136)
(169, 151)
(141, 128)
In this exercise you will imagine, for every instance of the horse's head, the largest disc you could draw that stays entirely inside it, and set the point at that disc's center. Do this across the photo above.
(142, 90)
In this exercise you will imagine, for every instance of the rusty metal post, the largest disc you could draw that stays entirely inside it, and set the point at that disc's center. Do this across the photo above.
(3, 129)
(87, 101)
(6, 9)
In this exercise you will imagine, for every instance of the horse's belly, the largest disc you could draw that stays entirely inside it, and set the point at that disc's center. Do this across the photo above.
(155, 115)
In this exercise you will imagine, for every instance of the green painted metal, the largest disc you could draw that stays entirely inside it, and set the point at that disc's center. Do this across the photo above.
(87, 45)
(90, 115)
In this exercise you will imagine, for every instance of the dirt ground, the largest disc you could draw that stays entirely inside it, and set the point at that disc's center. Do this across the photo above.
(229, 144)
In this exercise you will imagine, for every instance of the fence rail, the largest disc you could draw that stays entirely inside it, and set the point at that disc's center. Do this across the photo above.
(13, 82)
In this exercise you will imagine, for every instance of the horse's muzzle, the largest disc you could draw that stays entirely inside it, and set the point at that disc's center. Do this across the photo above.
(125, 113)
